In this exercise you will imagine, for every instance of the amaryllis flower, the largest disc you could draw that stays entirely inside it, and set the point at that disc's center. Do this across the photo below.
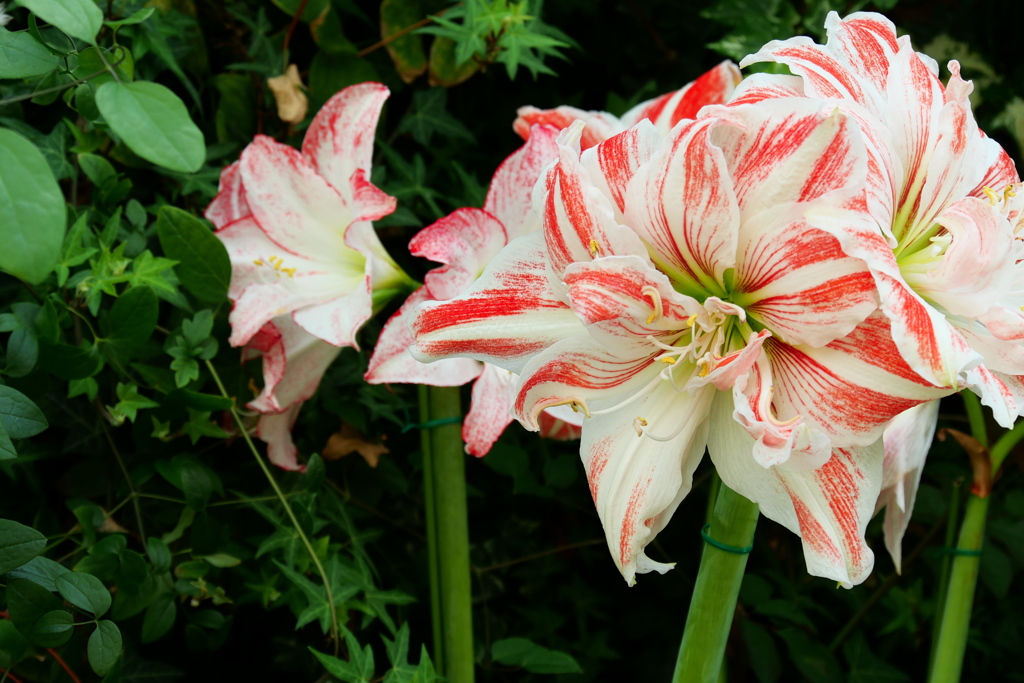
(713, 87)
(940, 241)
(907, 439)
(297, 226)
(294, 362)
(677, 297)
(465, 242)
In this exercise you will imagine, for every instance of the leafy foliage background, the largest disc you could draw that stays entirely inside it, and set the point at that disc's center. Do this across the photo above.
(112, 349)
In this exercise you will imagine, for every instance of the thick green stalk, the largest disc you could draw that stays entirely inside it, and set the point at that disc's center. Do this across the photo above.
(452, 527)
(431, 523)
(952, 519)
(717, 588)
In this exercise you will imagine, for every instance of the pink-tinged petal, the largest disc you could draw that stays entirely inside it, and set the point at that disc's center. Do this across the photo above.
(797, 281)
(392, 363)
(337, 320)
(580, 369)
(578, 219)
(976, 269)
(866, 43)
(509, 198)
(728, 369)
(907, 440)
(637, 482)
(757, 87)
(489, 413)
(465, 241)
(229, 205)
(294, 362)
(513, 311)
(248, 248)
(370, 202)
(600, 125)
(849, 389)
(339, 141)
(561, 423)
(998, 355)
(624, 300)
(828, 507)
(994, 392)
(1001, 172)
(296, 208)
(790, 150)
(712, 87)
(613, 163)
(682, 203)
(276, 431)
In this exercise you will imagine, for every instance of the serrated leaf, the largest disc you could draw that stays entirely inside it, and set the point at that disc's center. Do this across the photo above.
(204, 267)
(32, 206)
(22, 57)
(429, 117)
(18, 544)
(84, 591)
(444, 69)
(79, 18)
(104, 647)
(154, 123)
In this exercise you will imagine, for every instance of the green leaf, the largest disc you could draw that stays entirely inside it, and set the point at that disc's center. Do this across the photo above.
(70, 362)
(18, 544)
(55, 624)
(79, 18)
(97, 169)
(313, 9)
(159, 619)
(204, 267)
(136, 17)
(339, 668)
(130, 402)
(22, 57)
(84, 591)
(154, 123)
(159, 554)
(444, 69)
(429, 117)
(40, 570)
(811, 658)
(20, 416)
(329, 73)
(97, 60)
(532, 657)
(22, 352)
(764, 654)
(104, 647)
(133, 318)
(407, 51)
(187, 474)
(32, 206)
(27, 603)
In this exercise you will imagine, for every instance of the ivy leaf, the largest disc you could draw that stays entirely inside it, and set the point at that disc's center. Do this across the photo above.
(79, 18)
(429, 117)
(154, 123)
(22, 57)
(32, 206)
(18, 544)
(104, 647)
(203, 264)
(129, 403)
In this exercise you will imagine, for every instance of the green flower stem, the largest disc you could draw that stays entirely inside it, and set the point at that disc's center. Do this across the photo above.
(328, 593)
(949, 648)
(952, 518)
(451, 525)
(431, 523)
(717, 588)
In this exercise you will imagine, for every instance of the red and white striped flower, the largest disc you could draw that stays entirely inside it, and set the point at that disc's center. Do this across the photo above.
(678, 297)
(465, 242)
(715, 86)
(297, 226)
(943, 200)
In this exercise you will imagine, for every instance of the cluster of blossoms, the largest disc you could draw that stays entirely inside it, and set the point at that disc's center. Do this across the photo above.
(786, 271)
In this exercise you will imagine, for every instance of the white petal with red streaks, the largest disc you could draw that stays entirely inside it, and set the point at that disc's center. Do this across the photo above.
(757, 87)
(391, 361)
(465, 241)
(907, 440)
(682, 203)
(864, 369)
(638, 482)
(339, 140)
(276, 431)
(229, 205)
(1001, 398)
(509, 197)
(614, 162)
(714, 86)
(294, 362)
(489, 414)
(513, 311)
(337, 320)
(599, 125)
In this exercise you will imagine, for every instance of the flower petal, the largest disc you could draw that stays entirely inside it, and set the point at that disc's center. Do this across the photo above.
(712, 87)
(489, 414)
(294, 362)
(612, 164)
(229, 205)
(638, 482)
(276, 431)
(509, 197)
(465, 241)
(907, 440)
(599, 125)
(509, 314)
(337, 320)
(392, 363)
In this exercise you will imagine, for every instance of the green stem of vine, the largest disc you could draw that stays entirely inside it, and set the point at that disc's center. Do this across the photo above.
(718, 586)
(335, 629)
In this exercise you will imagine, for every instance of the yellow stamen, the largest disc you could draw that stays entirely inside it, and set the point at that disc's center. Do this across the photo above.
(991, 194)
(258, 262)
(705, 368)
(655, 297)
(290, 272)
(691, 320)
(668, 360)
(1008, 192)
(595, 248)
(638, 424)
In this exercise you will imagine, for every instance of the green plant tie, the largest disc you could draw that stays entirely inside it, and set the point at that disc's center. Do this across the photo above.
(430, 424)
(722, 546)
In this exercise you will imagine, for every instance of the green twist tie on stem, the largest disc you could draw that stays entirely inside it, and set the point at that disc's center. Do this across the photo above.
(722, 546)
(430, 424)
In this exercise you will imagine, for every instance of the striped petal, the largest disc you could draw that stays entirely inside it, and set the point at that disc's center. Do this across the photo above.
(907, 440)
(465, 241)
(276, 431)
(599, 125)
(513, 311)
(294, 362)
(612, 164)
(509, 197)
(489, 414)
(712, 87)
(229, 205)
